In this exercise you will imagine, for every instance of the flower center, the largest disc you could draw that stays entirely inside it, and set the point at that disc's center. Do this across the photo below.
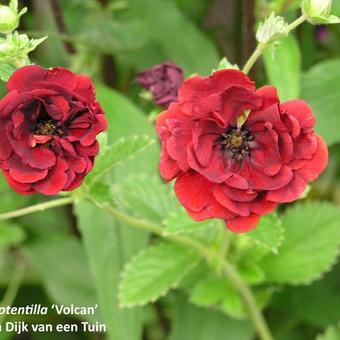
(237, 142)
(45, 128)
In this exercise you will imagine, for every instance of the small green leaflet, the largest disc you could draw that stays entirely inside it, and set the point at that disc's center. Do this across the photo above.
(122, 150)
(225, 64)
(6, 71)
(153, 272)
(215, 291)
(145, 196)
(311, 245)
(179, 222)
(269, 232)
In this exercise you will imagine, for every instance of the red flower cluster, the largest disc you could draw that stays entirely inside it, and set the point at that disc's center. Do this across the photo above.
(231, 171)
(49, 121)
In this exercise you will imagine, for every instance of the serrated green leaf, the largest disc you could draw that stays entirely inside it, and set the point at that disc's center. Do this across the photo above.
(319, 88)
(269, 232)
(305, 303)
(252, 274)
(192, 323)
(101, 194)
(311, 245)
(331, 333)
(218, 292)
(6, 71)
(145, 196)
(284, 56)
(179, 222)
(122, 150)
(10, 234)
(153, 272)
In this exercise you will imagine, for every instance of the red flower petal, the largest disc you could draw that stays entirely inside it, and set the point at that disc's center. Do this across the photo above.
(243, 224)
(317, 164)
(301, 111)
(289, 192)
(194, 191)
(195, 88)
(23, 173)
(55, 180)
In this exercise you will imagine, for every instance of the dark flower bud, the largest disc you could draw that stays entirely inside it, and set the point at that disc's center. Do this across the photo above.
(163, 81)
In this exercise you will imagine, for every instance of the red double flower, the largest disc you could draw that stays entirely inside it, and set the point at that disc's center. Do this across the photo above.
(49, 122)
(232, 171)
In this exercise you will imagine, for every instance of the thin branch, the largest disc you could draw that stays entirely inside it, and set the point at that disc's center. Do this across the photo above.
(37, 207)
(59, 19)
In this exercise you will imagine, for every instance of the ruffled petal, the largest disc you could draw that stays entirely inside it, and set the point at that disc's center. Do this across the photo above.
(313, 168)
(243, 224)
(301, 111)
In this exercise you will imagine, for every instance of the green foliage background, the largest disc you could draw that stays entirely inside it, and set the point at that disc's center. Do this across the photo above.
(76, 255)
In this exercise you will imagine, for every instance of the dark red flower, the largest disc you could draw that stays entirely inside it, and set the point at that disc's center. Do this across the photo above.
(163, 81)
(231, 171)
(49, 121)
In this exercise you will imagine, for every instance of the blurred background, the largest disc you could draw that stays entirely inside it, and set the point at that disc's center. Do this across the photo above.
(112, 41)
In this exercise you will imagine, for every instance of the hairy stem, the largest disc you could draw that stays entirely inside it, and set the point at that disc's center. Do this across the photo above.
(228, 269)
(254, 57)
(37, 207)
(261, 47)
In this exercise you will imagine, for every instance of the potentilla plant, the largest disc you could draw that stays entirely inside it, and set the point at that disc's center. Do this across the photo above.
(235, 151)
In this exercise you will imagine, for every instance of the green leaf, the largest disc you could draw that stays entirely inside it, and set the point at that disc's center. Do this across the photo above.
(10, 234)
(191, 322)
(109, 245)
(6, 71)
(305, 303)
(269, 232)
(331, 333)
(311, 245)
(153, 272)
(319, 88)
(60, 260)
(179, 222)
(122, 150)
(218, 292)
(172, 37)
(283, 66)
(252, 274)
(110, 36)
(145, 196)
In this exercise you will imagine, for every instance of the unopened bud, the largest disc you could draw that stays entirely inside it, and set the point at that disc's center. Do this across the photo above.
(318, 12)
(272, 29)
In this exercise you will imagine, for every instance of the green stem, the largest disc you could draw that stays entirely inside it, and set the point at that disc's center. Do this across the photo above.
(13, 288)
(262, 46)
(254, 57)
(296, 23)
(206, 253)
(37, 207)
